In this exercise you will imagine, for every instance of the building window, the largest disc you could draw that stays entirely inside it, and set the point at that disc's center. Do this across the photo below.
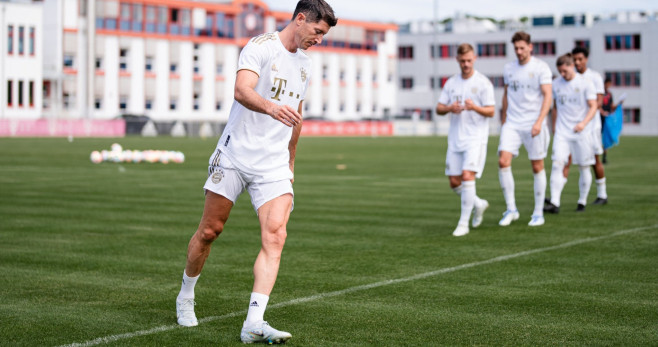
(10, 92)
(123, 102)
(98, 63)
(497, 81)
(148, 104)
(137, 17)
(98, 103)
(624, 78)
(148, 64)
(325, 72)
(543, 48)
(491, 49)
(162, 19)
(632, 115)
(123, 59)
(21, 40)
(219, 69)
(31, 44)
(67, 100)
(185, 21)
(581, 43)
(173, 68)
(543, 21)
(150, 19)
(218, 105)
(173, 102)
(30, 93)
(195, 65)
(443, 51)
(10, 39)
(124, 21)
(68, 61)
(622, 42)
(406, 52)
(196, 101)
(407, 82)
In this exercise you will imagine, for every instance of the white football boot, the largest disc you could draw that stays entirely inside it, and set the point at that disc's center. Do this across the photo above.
(262, 332)
(461, 230)
(536, 221)
(478, 213)
(509, 217)
(185, 312)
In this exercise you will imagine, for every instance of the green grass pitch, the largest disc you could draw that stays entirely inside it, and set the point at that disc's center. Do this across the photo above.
(97, 251)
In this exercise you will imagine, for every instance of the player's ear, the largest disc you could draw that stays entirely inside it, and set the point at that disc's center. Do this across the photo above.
(300, 19)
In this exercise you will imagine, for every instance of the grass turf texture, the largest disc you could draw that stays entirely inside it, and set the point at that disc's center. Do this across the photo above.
(89, 251)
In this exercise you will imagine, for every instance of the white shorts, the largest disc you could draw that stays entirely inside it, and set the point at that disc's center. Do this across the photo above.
(580, 149)
(511, 140)
(472, 159)
(228, 181)
(597, 142)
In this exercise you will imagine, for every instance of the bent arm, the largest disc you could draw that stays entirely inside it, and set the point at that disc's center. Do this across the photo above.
(503, 109)
(292, 145)
(247, 96)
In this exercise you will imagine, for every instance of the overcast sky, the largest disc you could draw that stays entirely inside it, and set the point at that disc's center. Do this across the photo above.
(400, 11)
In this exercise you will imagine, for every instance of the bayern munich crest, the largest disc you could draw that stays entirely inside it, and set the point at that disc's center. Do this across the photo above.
(217, 176)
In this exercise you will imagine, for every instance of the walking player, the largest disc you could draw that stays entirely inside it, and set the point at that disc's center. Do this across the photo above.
(469, 98)
(256, 152)
(526, 102)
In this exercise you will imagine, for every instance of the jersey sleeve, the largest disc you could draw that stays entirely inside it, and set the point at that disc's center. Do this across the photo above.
(590, 91)
(487, 96)
(252, 57)
(505, 69)
(444, 98)
(545, 74)
(598, 83)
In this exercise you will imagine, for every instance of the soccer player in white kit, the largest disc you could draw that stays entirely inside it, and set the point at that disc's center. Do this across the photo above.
(256, 152)
(580, 58)
(576, 105)
(526, 102)
(469, 98)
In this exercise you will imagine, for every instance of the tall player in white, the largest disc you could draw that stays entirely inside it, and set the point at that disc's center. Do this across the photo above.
(469, 98)
(580, 58)
(526, 102)
(256, 152)
(576, 105)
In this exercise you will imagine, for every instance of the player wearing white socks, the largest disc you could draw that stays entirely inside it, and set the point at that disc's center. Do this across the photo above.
(580, 58)
(576, 106)
(526, 103)
(469, 98)
(256, 153)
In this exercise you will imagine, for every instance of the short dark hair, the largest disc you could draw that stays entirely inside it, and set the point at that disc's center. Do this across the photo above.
(580, 50)
(607, 80)
(566, 59)
(521, 36)
(464, 48)
(315, 11)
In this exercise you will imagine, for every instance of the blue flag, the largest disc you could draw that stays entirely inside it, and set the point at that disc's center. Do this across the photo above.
(612, 128)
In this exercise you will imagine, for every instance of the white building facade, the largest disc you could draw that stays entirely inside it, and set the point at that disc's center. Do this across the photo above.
(176, 60)
(21, 60)
(622, 48)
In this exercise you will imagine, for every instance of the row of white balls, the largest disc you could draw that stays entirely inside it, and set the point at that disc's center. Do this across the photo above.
(118, 155)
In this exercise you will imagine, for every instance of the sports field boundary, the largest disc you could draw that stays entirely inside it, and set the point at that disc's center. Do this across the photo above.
(164, 328)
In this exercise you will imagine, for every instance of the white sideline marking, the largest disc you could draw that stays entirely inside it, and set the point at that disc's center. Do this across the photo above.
(112, 338)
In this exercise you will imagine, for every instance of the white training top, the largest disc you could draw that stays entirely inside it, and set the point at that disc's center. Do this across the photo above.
(255, 142)
(597, 80)
(524, 97)
(469, 127)
(571, 99)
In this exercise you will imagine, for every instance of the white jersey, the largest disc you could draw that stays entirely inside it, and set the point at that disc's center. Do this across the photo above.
(255, 142)
(571, 99)
(597, 80)
(469, 127)
(524, 96)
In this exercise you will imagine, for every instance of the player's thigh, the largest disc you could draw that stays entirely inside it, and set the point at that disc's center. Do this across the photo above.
(263, 193)
(582, 151)
(510, 140)
(475, 158)
(454, 163)
(596, 142)
(273, 214)
(561, 150)
(216, 210)
(537, 146)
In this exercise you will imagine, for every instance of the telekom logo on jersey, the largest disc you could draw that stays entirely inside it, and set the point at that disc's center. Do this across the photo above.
(279, 89)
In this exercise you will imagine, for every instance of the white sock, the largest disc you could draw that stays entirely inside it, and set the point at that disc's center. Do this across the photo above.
(257, 305)
(557, 183)
(584, 183)
(507, 183)
(457, 190)
(601, 189)
(187, 288)
(468, 200)
(540, 193)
